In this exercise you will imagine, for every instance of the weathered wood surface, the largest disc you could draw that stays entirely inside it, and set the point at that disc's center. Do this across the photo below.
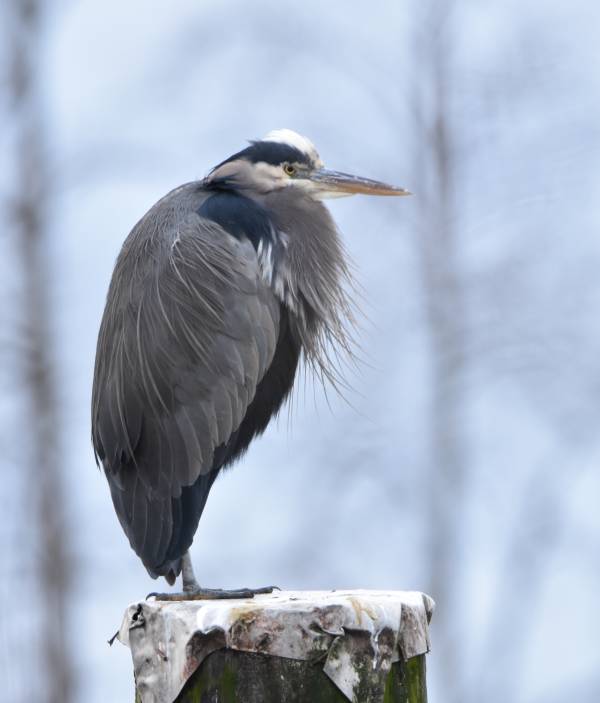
(241, 677)
(321, 646)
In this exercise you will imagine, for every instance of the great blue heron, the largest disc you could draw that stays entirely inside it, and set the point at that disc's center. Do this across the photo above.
(217, 292)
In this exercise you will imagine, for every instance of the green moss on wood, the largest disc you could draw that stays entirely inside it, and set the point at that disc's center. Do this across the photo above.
(416, 685)
(211, 684)
(242, 677)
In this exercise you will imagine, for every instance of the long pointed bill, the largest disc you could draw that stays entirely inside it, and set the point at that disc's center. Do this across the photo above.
(333, 184)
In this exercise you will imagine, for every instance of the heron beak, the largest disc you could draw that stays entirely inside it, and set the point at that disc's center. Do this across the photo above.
(333, 184)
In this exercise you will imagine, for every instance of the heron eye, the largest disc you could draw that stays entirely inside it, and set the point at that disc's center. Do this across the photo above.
(289, 169)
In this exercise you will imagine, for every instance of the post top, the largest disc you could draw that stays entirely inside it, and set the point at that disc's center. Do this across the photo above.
(356, 633)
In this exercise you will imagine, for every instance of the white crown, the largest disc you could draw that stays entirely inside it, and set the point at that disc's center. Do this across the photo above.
(288, 136)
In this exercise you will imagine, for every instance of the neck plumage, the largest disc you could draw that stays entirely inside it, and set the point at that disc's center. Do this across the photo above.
(311, 276)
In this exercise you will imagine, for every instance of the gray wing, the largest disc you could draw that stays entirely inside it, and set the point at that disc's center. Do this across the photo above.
(188, 332)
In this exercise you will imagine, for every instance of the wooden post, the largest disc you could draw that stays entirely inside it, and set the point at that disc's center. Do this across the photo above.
(286, 647)
(227, 676)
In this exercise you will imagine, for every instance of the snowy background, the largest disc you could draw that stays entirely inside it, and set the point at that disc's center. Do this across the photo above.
(466, 460)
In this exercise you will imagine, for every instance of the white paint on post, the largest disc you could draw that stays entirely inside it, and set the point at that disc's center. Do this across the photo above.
(170, 640)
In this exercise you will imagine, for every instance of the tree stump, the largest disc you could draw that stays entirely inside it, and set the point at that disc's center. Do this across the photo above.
(318, 647)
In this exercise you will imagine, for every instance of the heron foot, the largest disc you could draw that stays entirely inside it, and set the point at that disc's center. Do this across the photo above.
(199, 593)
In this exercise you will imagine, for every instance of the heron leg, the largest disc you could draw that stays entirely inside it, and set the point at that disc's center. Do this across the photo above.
(193, 591)
(188, 577)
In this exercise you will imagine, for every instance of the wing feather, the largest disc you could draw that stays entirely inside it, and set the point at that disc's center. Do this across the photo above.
(188, 333)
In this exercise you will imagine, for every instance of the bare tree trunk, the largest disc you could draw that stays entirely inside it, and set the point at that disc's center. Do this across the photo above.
(446, 322)
(43, 422)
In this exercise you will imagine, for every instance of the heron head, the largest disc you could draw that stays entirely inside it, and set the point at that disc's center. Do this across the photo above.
(285, 159)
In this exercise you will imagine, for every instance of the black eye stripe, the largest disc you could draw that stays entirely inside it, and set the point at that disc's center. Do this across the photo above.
(273, 153)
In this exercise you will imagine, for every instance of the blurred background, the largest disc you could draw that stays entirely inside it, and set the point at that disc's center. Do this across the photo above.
(465, 462)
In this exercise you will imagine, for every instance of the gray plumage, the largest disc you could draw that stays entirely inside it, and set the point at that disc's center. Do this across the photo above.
(217, 292)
